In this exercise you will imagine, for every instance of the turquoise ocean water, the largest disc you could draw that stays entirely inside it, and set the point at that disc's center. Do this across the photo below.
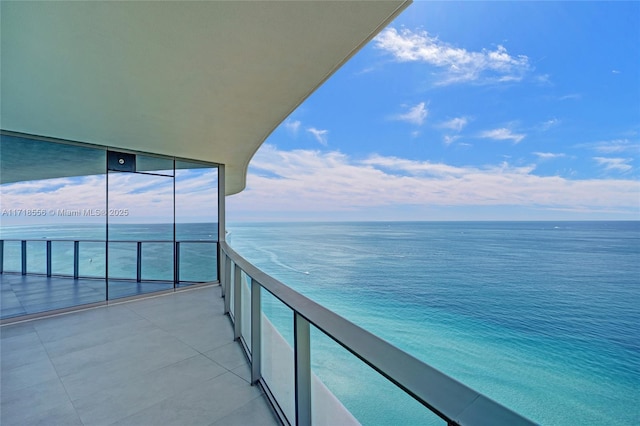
(543, 317)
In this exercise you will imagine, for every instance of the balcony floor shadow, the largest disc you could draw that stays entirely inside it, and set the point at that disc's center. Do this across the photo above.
(158, 360)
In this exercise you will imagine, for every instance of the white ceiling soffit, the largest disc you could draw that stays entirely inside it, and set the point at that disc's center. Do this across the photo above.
(202, 80)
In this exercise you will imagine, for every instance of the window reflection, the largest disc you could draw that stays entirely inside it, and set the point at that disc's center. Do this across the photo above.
(100, 232)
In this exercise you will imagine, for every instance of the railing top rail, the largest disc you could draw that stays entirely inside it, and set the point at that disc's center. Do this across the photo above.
(443, 395)
(103, 241)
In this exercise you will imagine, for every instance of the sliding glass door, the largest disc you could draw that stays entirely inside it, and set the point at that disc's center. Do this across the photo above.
(83, 224)
(140, 224)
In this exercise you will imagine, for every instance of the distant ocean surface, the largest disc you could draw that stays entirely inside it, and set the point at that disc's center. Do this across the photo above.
(543, 317)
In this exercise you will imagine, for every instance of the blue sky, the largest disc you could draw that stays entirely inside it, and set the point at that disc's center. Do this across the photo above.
(455, 111)
(463, 111)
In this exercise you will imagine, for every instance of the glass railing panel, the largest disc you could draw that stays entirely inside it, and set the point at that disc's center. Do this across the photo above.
(91, 259)
(10, 303)
(122, 260)
(36, 257)
(246, 310)
(157, 261)
(123, 272)
(12, 261)
(345, 390)
(62, 258)
(277, 364)
(198, 261)
(35, 293)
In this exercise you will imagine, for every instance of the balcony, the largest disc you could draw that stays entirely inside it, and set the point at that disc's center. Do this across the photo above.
(167, 359)
(175, 359)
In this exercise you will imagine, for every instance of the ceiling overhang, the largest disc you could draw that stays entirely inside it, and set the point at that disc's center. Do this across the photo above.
(203, 80)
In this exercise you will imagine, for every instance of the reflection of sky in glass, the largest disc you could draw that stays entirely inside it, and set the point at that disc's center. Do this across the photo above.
(140, 198)
(63, 200)
(147, 198)
(197, 195)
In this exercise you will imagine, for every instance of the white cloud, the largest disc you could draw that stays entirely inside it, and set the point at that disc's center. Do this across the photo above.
(293, 126)
(548, 155)
(614, 164)
(502, 134)
(544, 79)
(416, 115)
(320, 135)
(316, 183)
(570, 96)
(412, 167)
(457, 64)
(615, 72)
(549, 124)
(456, 124)
(614, 146)
(448, 139)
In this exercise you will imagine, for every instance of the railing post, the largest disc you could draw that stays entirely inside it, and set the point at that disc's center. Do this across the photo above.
(222, 261)
(302, 355)
(48, 258)
(219, 262)
(139, 262)
(1, 256)
(176, 267)
(24, 257)
(256, 331)
(237, 302)
(227, 281)
(76, 259)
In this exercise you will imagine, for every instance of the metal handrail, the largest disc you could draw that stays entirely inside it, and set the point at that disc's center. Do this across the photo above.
(451, 400)
(101, 241)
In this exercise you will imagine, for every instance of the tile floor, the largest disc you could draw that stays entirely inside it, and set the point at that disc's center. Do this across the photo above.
(164, 360)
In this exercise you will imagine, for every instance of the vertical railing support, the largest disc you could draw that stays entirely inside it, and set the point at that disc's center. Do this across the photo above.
(222, 261)
(24, 257)
(176, 266)
(76, 259)
(302, 372)
(1, 256)
(256, 332)
(218, 262)
(227, 280)
(48, 258)
(139, 262)
(237, 302)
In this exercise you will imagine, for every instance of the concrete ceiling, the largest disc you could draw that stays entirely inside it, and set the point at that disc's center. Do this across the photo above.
(202, 80)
